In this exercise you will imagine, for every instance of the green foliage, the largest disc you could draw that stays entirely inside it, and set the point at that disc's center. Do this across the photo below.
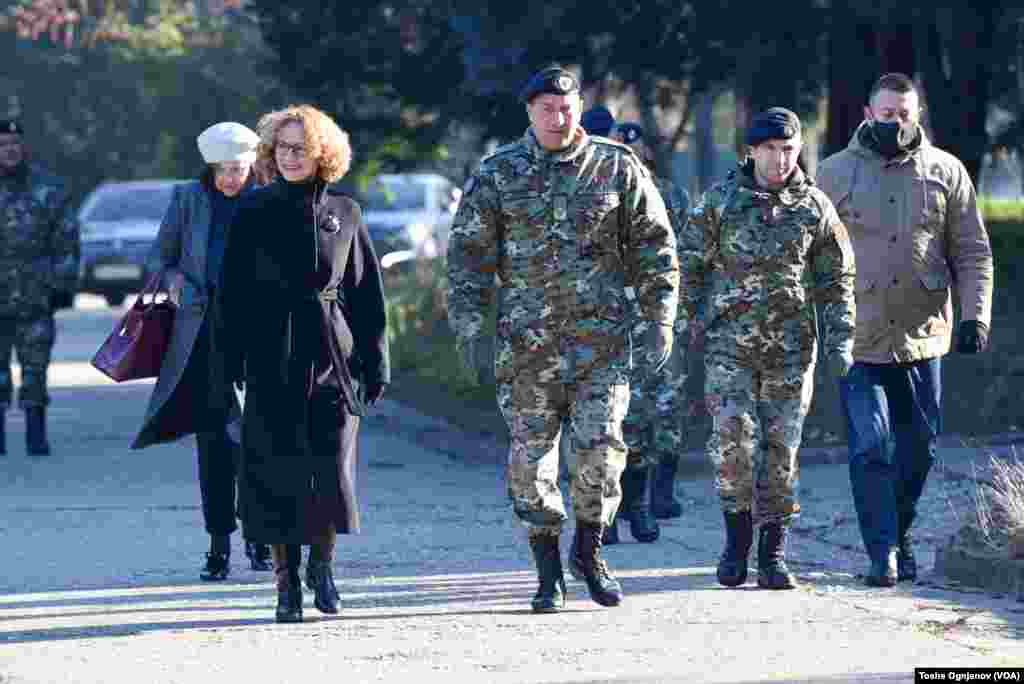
(1002, 210)
(421, 343)
(132, 108)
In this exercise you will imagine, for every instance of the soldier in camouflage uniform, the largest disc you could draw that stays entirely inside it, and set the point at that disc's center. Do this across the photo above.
(768, 245)
(39, 253)
(655, 427)
(579, 237)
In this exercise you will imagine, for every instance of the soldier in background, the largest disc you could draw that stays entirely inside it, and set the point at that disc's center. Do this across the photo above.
(768, 245)
(39, 255)
(656, 426)
(579, 236)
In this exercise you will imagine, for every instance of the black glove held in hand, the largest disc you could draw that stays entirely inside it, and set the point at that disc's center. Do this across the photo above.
(972, 337)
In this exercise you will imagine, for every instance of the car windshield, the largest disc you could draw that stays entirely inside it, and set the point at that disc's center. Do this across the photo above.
(127, 204)
(395, 195)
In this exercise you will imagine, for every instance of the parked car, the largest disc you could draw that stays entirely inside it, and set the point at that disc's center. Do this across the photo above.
(409, 215)
(119, 225)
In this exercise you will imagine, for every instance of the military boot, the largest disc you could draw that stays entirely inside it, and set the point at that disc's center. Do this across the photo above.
(35, 431)
(550, 596)
(663, 496)
(739, 536)
(320, 574)
(772, 572)
(289, 587)
(585, 563)
(636, 504)
(883, 571)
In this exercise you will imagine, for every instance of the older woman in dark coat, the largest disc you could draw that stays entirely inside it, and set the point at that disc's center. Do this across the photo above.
(192, 394)
(303, 307)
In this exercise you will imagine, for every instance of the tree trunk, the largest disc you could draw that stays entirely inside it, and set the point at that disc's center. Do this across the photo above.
(849, 79)
(704, 148)
(958, 100)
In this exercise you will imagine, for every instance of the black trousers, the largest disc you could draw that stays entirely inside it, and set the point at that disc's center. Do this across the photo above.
(218, 455)
(218, 472)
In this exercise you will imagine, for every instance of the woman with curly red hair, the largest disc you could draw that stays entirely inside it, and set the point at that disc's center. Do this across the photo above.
(304, 323)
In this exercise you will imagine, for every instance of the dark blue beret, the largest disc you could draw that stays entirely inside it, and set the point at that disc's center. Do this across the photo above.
(630, 132)
(598, 121)
(777, 123)
(553, 80)
(9, 126)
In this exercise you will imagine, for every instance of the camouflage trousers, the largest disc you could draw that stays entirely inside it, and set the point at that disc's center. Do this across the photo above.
(533, 407)
(32, 340)
(656, 426)
(757, 421)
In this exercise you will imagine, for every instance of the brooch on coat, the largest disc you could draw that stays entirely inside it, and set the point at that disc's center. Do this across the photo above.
(332, 224)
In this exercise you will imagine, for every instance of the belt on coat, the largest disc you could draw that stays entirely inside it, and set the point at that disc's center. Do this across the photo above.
(304, 370)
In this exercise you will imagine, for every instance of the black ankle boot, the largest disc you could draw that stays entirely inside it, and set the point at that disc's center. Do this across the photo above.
(217, 568)
(772, 572)
(550, 596)
(259, 556)
(739, 536)
(320, 580)
(663, 494)
(289, 588)
(585, 563)
(883, 571)
(636, 504)
(35, 431)
(906, 564)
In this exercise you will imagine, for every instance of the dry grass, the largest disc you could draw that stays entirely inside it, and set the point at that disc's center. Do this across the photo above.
(999, 504)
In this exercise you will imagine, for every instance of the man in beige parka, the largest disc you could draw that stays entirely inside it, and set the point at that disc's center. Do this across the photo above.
(912, 216)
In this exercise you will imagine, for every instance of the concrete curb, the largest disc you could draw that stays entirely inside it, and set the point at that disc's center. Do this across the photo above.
(1001, 575)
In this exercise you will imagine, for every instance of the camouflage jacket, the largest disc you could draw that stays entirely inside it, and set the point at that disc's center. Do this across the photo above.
(766, 259)
(677, 202)
(39, 243)
(578, 238)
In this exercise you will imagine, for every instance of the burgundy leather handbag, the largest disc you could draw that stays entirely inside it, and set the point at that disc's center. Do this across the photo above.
(135, 349)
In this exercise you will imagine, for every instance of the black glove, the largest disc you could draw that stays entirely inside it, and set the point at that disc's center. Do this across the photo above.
(59, 299)
(374, 391)
(972, 337)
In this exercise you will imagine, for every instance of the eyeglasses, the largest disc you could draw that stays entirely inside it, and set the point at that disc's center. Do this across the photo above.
(285, 150)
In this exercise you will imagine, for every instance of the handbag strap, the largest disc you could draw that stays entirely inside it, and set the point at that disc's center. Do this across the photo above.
(152, 288)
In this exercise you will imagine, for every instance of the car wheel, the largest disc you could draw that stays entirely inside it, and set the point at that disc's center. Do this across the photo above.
(115, 299)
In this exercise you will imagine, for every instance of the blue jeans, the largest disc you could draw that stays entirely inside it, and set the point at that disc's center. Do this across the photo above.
(893, 415)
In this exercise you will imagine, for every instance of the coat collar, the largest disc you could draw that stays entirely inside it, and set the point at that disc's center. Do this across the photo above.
(575, 149)
(863, 151)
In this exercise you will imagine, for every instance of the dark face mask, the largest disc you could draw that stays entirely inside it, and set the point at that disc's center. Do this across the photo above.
(892, 137)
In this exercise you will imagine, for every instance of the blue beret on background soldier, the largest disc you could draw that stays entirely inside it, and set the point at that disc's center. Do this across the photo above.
(913, 218)
(578, 235)
(768, 245)
(656, 425)
(598, 121)
(39, 258)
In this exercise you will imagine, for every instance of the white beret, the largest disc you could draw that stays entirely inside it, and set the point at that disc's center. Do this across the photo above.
(228, 141)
